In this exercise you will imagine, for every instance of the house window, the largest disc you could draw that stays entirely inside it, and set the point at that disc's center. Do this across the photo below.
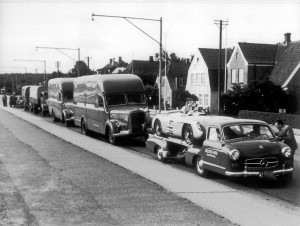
(202, 79)
(182, 82)
(198, 79)
(234, 78)
(236, 55)
(206, 99)
(201, 100)
(192, 79)
(241, 75)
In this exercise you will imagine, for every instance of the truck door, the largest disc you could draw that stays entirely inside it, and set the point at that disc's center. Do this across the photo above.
(102, 116)
(211, 150)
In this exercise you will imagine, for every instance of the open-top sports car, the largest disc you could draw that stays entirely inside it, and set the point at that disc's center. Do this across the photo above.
(232, 147)
(177, 124)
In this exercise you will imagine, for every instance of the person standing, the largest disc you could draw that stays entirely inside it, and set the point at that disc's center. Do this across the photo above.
(286, 135)
(4, 100)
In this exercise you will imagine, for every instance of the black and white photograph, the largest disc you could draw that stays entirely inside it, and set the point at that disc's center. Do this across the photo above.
(149, 112)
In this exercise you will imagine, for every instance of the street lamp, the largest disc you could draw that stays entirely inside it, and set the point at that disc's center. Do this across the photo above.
(40, 61)
(159, 42)
(59, 50)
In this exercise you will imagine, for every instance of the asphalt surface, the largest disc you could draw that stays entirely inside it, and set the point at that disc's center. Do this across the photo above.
(45, 180)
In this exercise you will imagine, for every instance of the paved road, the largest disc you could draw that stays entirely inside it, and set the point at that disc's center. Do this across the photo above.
(45, 180)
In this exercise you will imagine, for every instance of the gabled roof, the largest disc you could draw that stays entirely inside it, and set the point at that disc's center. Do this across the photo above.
(175, 69)
(287, 60)
(211, 57)
(142, 67)
(255, 53)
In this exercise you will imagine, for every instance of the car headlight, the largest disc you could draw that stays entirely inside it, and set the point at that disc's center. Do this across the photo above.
(234, 154)
(199, 126)
(286, 151)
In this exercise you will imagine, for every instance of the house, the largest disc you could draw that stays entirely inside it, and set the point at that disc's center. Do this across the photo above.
(173, 77)
(113, 67)
(249, 62)
(286, 72)
(202, 80)
(146, 70)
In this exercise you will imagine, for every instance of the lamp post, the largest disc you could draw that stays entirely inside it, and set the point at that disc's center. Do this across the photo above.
(59, 49)
(159, 42)
(40, 61)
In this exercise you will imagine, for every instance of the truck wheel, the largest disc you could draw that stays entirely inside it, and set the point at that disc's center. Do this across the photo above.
(157, 128)
(84, 129)
(35, 109)
(66, 123)
(112, 139)
(188, 135)
(43, 113)
(160, 155)
(199, 167)
(54, 119)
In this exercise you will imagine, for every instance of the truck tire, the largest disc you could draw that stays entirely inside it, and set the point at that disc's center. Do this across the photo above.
(159, 154)
(54, 119)
(111, 138)
(84, 129)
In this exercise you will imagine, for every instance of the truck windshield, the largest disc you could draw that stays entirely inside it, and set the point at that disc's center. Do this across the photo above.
(68, 95)
(115, 99)
(136, 98)
(247, 130)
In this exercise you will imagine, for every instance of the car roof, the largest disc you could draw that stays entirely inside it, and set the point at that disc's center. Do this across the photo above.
(221, 121)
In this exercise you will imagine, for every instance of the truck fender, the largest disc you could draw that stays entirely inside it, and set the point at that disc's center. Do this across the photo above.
(111, 124)
(68, 113)
(153, 143)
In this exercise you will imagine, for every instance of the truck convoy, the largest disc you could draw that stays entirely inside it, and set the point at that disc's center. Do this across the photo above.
(112, 105)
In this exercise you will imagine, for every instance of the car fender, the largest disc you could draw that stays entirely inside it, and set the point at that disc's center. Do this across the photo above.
(111, 124)
(153, 143)
(68, 113)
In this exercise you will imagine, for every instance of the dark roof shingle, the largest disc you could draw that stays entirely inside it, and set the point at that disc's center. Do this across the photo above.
(256, 53)
(211, 57)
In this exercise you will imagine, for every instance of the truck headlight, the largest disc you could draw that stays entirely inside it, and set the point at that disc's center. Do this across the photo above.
(286, 151)
(234, 154)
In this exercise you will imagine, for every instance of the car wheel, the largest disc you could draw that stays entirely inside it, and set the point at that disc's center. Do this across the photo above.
(111, 138)
(158, 128)
(84, 129)
(159, 154)
(199, 167)
(188, 135)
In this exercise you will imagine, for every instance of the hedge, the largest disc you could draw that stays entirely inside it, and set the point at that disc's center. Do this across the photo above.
(291, 120)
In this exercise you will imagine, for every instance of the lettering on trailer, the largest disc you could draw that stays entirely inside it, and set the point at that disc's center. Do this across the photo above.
(211, 152)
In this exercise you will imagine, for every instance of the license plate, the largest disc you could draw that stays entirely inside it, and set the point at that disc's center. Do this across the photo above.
(266, 174)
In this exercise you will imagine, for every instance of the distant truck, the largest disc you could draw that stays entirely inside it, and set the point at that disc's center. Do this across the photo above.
(60, 99)
(112, 105)
(34, 98)
(25, 96)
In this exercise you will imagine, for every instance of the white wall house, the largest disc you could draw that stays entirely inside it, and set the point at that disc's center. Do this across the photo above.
(202, 78)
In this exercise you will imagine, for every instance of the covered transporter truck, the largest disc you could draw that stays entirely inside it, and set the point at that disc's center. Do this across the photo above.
(112, 105)
(35, 98)
(60, 99)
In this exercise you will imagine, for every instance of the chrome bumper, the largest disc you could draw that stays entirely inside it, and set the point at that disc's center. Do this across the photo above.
(124, 133)
(247, 173)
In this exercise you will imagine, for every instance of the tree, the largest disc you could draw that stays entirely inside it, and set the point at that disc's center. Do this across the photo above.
(82, 67)
(180, 96)
(152, 94)
(258, 96)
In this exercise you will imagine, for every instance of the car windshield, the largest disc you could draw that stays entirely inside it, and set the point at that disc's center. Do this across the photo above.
(115, 99)
(136, 98)
(247, 130)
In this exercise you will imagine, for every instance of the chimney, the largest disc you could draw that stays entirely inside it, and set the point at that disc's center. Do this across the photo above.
(110, 61)
(120, 60)
(287, 38)
(151, 58)
(113, 60)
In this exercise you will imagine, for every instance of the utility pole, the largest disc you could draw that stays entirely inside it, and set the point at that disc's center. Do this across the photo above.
(220, 24)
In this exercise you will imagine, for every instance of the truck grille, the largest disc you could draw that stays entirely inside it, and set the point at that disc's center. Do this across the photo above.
(136, 121)
(261, 162)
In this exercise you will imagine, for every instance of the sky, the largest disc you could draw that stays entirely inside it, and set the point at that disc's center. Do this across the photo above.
(187, 26)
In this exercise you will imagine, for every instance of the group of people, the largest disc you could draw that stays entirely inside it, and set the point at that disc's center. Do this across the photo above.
(286, 135)
(12, 100)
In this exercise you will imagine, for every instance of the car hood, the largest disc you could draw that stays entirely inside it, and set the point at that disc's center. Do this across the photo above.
(257, 147)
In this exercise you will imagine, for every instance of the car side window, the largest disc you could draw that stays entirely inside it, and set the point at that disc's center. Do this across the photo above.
(214, 134)
(100, 101)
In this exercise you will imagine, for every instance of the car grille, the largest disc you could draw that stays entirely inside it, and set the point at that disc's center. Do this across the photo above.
(261, 162)
(136, 121)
